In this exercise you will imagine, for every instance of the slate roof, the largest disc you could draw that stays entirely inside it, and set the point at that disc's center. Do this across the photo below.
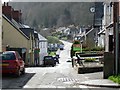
(27, 31)
(41, 38)
(15, 25)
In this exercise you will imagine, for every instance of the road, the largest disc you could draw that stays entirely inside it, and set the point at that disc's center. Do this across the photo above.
(60, 76)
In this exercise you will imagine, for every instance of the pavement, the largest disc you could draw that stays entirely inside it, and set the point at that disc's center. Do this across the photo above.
(101, 83)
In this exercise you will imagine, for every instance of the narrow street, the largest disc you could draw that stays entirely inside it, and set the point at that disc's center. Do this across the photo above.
(60, 76)
(33, 31)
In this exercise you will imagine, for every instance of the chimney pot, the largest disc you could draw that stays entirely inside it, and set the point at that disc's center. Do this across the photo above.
(7, 3)
(4, 3)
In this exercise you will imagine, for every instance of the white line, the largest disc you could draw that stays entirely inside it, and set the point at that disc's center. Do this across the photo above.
(83, 87)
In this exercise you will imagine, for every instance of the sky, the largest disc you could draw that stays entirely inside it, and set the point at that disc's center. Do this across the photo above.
(5, 1)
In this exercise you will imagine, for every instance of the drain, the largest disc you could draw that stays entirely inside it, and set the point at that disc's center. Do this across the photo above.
(67, 80)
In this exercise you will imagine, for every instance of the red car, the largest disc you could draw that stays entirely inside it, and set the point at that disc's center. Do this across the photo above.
(12, 63)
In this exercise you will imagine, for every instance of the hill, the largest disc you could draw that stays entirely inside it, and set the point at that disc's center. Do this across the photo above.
(49, 14)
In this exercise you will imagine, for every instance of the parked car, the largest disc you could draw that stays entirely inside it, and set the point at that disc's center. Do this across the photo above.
(49, 60)
(61, 46)
(56, 58)
(12, 62)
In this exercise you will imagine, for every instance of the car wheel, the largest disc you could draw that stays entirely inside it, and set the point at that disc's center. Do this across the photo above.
(53, 65)
(18, 73)
(23, 71)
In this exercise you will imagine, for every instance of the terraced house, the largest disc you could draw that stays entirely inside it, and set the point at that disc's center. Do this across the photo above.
(13, 36)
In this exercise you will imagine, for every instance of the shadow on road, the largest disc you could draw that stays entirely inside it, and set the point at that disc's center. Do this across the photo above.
(11, 82)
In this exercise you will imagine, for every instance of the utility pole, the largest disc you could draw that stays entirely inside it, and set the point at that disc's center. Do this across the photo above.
(0, 26)
(116, 36)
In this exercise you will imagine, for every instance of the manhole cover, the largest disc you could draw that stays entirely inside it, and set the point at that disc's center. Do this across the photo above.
(67, 80)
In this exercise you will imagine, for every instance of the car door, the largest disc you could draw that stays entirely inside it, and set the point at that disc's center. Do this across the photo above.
(20, 60)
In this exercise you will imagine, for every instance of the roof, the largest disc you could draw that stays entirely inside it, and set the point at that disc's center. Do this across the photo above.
(26, 26)
(18, 25)
(27, 31)
(41, 38)
(14, 25)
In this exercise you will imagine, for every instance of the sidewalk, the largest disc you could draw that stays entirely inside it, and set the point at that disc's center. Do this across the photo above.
(101, 83)
(96, 82)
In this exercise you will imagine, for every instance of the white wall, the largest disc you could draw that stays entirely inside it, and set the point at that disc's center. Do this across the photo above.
(101, 40)
(43, 50)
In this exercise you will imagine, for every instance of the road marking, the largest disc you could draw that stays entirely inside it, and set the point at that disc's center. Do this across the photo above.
(83, 87)
(87, 77)
(67, 80)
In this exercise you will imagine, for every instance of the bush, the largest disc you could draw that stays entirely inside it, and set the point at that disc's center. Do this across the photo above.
(86, 49)
(53, 40)
(93, 49)
(115, 78)
(97, 49)
(90, 59)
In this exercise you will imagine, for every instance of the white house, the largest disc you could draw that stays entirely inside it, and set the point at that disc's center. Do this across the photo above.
(106, 30)
(43, 45)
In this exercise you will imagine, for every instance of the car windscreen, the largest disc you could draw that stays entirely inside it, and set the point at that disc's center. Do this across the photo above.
(48, 58)
(7, 56)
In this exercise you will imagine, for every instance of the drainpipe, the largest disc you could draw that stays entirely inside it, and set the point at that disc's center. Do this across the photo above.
(106, 31)
(0, 26)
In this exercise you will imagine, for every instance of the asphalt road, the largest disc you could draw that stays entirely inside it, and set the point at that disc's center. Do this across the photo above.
(60, 76)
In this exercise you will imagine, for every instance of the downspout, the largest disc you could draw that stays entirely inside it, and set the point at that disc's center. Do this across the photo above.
(106, 31)
(0, 26)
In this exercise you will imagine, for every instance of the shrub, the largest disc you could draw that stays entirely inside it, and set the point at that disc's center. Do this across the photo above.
(93, 49)
(53, 40)
(115, 78)
(76, 42)
(97, 49)
(90, 59)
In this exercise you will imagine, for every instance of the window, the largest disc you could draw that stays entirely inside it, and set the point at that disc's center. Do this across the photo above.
(7, 56)
(43, 44)
(18, 55)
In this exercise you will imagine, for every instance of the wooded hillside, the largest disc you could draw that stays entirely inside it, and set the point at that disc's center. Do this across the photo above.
(49, 14)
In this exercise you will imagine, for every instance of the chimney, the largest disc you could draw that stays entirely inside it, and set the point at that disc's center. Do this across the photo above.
(16, 15)
(7, 11)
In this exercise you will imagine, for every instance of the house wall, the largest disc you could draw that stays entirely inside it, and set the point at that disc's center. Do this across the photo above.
(43, 50)
(13, 38)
